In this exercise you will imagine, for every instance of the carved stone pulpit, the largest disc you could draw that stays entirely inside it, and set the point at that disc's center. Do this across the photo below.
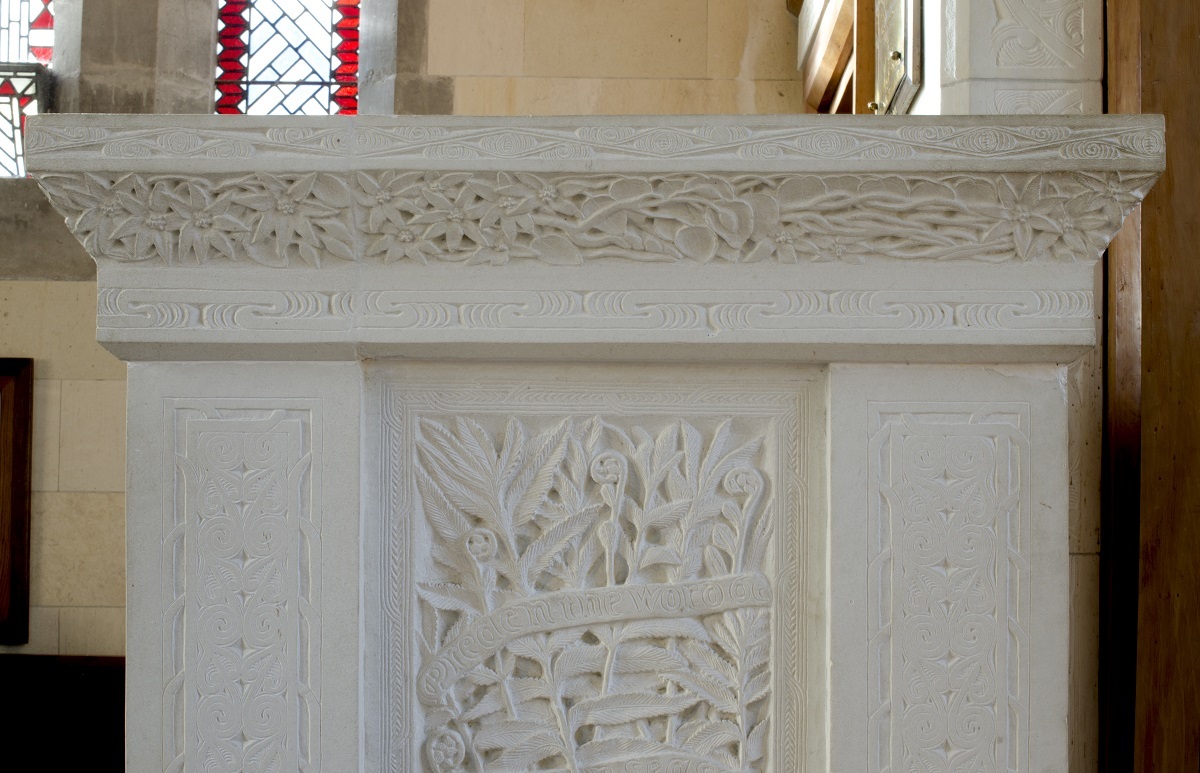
(631, 444)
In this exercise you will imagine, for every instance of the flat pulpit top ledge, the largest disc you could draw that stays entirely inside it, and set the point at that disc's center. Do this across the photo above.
(780, 231)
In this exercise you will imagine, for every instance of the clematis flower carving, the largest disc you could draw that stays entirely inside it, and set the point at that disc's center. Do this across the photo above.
(294, 214)
(404, 241)
(101, 207)
(1083, 224)
(770, 235)
(455, 219)
(497, 250)
(151, 221)
(829, 249)
(1028, 214)
(208, 226)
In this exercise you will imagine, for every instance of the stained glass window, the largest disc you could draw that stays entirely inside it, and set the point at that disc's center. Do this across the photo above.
(287, 57)
(26, 30)
(26, 44)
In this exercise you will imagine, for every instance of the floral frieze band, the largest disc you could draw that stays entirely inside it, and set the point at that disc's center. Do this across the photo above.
(494, 218)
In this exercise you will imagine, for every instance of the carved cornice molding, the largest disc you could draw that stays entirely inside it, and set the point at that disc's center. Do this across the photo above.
(463, 229)
(166, 144)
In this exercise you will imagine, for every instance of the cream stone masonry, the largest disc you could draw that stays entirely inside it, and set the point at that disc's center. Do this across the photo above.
(766, 233)
(825, 530)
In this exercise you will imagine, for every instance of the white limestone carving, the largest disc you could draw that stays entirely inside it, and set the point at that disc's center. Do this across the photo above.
(1042, 34)
(765, 144)
(241, 554)
(434, 637)
(494, 218)
(1024, 39)
(949, 530)
(374, 234)
(1023, 57)
(949, 508)
(596, 578)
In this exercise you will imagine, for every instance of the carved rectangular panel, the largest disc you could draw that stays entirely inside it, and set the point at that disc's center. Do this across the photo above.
(241, 561)
(603, 570)
(949, 540)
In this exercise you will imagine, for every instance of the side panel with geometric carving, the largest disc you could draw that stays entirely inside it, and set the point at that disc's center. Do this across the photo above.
(241, 578)
(600, 576)
(949, 568)
(948, 601)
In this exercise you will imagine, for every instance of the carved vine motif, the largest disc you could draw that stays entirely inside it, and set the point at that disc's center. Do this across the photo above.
(557, 140)
(1041, 34)
(495, 218)
(250, 614)
(595, 597)
(954, 492)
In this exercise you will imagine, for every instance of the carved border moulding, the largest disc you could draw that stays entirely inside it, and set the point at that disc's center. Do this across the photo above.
(241, 561)
(1024, 39)
(948, 607)
(377, 234)
(581, 572)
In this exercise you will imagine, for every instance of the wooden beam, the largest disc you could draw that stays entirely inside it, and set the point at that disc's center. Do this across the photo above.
(864, 55)
(826, 43)
(1121, 471)
(1167, 729)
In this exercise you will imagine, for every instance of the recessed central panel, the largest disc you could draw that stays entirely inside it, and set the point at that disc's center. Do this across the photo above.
(594, 569)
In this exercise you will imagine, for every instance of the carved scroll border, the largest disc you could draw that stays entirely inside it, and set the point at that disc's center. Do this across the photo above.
(184, 745)
(534, 143)
(1007, 427)
(791, 404)
(709, 312)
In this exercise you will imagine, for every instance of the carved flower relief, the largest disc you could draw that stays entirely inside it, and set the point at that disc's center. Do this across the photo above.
(1028, 214)
(208, 226)
(404, 240)
(496, 218)
(452, 219)
(301, 213)
(517, 197)
(151, 221)
(101, 206)
(1083, 224)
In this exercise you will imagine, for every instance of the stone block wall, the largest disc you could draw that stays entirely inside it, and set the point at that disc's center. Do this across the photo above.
(77, 582)
(601, 57)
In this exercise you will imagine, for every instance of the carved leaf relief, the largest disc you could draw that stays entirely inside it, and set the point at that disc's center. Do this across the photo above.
(248, 696)
(1039, 33)
(951, 596)
(495, 218)
(595, 596)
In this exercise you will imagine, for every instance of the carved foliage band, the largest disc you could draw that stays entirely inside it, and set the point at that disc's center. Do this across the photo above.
(707, 311)
(715, 142)
(949, 535)
(593, 591)
(242, 553)
(493, 218)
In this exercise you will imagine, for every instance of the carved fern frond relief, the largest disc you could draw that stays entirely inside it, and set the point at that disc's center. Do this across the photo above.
(494, 218)
(595, 595)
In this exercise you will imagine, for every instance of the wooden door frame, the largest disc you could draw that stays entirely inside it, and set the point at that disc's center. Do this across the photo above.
(1150, 532)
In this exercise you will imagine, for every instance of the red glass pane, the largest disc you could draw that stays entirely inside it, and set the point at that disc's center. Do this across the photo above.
(247, 80)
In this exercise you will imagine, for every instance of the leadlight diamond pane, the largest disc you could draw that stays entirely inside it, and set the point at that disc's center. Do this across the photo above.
(287, 57)
(23, 88)
(26, 31)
